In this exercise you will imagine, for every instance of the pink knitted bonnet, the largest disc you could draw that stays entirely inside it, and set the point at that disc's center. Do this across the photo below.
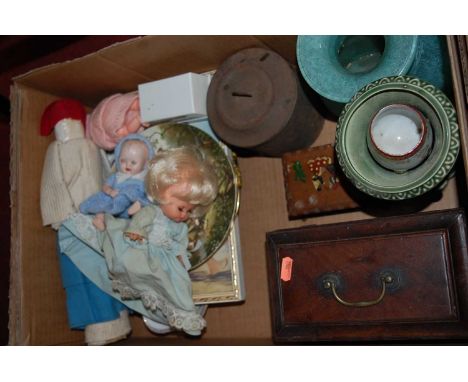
(114, 118)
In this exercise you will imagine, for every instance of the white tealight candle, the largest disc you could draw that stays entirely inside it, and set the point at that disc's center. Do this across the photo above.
(396, 134)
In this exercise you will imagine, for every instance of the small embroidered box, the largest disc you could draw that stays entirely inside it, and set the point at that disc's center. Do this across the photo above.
(313, 183)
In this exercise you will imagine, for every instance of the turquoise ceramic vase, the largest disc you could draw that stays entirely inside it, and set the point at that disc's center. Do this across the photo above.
(336, 67)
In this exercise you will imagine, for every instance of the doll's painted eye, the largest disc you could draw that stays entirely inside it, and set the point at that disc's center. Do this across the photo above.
(133, 162)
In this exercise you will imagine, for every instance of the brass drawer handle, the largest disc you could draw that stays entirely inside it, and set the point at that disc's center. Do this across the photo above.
(330, 284)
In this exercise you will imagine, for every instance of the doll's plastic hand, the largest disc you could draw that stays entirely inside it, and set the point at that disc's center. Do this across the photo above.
(131, 127)
(132, 121)
(134, 208)
(134, 237)
(107, 189)
(99, 222)
(110, 191)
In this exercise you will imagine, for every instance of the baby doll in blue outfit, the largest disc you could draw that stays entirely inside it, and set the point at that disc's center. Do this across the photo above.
(124, 188)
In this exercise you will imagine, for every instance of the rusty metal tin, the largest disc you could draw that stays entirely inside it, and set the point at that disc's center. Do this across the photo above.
(255, 101)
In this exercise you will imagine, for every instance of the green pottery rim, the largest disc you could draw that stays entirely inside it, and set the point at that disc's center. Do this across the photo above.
(448, 147)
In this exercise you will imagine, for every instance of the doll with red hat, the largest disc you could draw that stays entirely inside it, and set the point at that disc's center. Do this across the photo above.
(72, 167)
(71, 173)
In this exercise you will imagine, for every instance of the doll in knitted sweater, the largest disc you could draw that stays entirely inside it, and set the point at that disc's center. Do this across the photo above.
(71, 170)
(71, 173)
(125, 187)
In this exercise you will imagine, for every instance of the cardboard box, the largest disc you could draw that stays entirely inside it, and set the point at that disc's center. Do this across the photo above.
(37, 300)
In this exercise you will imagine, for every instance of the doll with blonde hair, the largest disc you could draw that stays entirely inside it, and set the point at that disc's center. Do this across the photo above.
(181, 182)
(151, 261)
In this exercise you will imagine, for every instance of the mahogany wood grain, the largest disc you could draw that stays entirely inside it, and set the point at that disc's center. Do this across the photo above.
(425, 252)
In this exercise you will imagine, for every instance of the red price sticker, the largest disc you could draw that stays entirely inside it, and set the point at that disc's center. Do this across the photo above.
(286, 268)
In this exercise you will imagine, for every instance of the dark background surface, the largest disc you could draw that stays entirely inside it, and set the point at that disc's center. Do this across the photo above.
(18, 55)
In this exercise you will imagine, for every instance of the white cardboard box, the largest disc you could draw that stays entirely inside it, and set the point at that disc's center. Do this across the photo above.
(178, 98)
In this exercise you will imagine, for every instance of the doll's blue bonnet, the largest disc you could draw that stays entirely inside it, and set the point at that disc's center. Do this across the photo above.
(132, 137)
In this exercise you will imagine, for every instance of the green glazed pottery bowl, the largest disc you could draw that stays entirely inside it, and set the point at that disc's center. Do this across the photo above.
(208, 233)
(351, 145)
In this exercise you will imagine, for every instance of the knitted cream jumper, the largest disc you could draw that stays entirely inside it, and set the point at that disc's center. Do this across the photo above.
(71, 173)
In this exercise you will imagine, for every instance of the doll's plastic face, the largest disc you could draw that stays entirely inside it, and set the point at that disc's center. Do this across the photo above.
(68, 129)
(133, 157)
(173, 207)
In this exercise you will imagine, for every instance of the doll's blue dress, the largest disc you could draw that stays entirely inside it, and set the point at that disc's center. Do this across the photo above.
(147, 277)
(86, 303)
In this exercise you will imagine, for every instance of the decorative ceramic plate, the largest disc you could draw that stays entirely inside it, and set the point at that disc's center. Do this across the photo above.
(353, 154)
(206, 234)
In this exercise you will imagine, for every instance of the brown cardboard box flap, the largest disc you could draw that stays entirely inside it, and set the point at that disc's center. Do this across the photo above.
(122, 66)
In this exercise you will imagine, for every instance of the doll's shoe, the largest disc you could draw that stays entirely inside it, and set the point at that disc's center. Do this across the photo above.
(134, 208)
(159, 328)
(201, 309)
(156, 327)
(104, 333)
